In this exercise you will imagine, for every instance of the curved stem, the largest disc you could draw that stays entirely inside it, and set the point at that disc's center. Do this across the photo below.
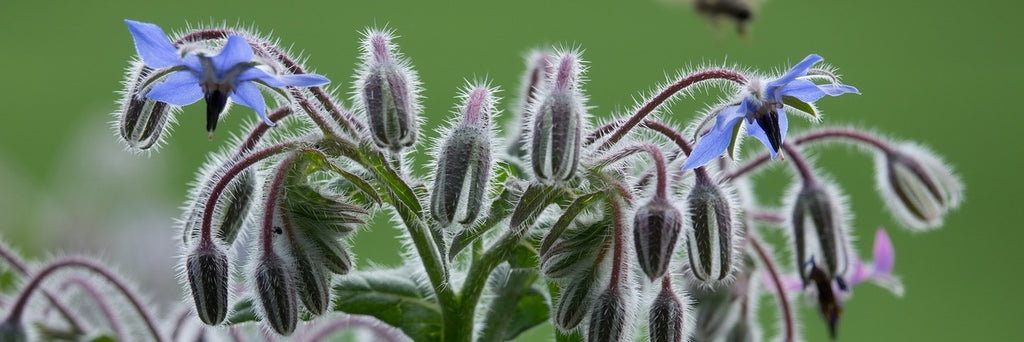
(17, 310)
(800, 164)
(115, 324)
(179, 323)
(667, 93)
(766, 216)
(780, 291)
(357, 321)
(261, 129)
(669, 133)
(273, 192)
(619, 266)
(659, 164)
(812, 137)
(20, 267)
(225, 179)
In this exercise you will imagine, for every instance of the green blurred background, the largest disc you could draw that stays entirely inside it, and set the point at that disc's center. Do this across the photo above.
(945, 73)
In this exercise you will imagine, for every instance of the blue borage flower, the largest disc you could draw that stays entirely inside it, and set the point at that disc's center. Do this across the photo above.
(763, 107)
(230, 74)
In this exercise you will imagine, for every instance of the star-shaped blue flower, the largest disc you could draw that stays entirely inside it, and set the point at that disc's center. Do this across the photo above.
(763, 109)
(230, 74)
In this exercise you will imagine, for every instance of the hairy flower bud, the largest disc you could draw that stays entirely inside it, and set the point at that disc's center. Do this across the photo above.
(141, 121)
(666, 317)
(12, 331)
(236, 202)
(464, 162)
(574, 302)
(313, 280)
(276, 291)
(207, 270)
(388, 90)
(918, 186)
(576, 250)
(537, 70)
(709, 242)
(558, 116)
(321, 222)
(655, 231)
(608, 318)
(819, 233)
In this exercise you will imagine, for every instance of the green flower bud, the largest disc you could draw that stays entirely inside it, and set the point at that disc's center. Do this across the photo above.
(576, 251)
(608, 318)
(464, 162)
(558, 124)
(709, 242)
(666, 317)
(276, 292)
(574, 302)
(656, 228)
(207, 270)
(141, 121)
(819, 232)
(918, 186)
(388, 91)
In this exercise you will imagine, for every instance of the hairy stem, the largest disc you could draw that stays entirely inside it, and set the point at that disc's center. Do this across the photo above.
(18, 308)
(101, 302)
(260, 130)
(801, 165)
(659, 164)
(812, 137)
(667, 93)
(272, 205)
(20, 267)
(225, 179)
(780, 291)
(379, 329)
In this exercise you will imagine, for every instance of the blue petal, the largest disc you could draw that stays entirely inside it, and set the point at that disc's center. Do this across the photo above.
(251, 74)
(803, 90)
(247, 94)
(152, 44)
(838, 89)
(193, 63)
(304, 80)
(236, 50)
(181, 88)
(756, 131)
(717, 140)
(800, 69)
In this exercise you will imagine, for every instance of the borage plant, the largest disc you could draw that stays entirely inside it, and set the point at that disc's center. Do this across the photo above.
(629, 228)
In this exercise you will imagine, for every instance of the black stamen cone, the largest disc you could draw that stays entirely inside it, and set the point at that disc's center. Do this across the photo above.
(827, 301)
(215, 102)
(769, 122)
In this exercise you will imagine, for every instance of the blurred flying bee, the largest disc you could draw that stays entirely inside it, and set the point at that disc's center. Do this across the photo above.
(739, 11)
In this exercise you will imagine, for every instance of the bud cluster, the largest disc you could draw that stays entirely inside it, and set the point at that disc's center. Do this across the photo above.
(588, 224)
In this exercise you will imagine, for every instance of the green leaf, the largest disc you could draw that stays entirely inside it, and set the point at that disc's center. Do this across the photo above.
(578, 206)
(243, 311)
(102, 338)
(322, 161)
(513, 293)
(534, 200)
(393, 297)
(800, 105)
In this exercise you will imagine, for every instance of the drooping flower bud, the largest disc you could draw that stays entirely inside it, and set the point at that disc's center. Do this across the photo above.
(655, 232)
(666, 317)
(537, 69)
(720, 308)
(709, 241)
(819, 231)
(576, 250)
(918, 186)
(464, 161)
(236, 202)
(141, 121)
(207, 270)
(558, 119)
(321, 222)
(13, 331)
(276, 291)
(313, 280)
(608, 318)
(388, 90)
(574, 302)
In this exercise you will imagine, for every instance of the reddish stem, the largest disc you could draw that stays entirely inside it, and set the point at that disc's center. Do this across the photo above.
(218, 189)
(659, 164)
(667, 93)
(780, 291)
(272, 204)
(823, 134)
(18, 309)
